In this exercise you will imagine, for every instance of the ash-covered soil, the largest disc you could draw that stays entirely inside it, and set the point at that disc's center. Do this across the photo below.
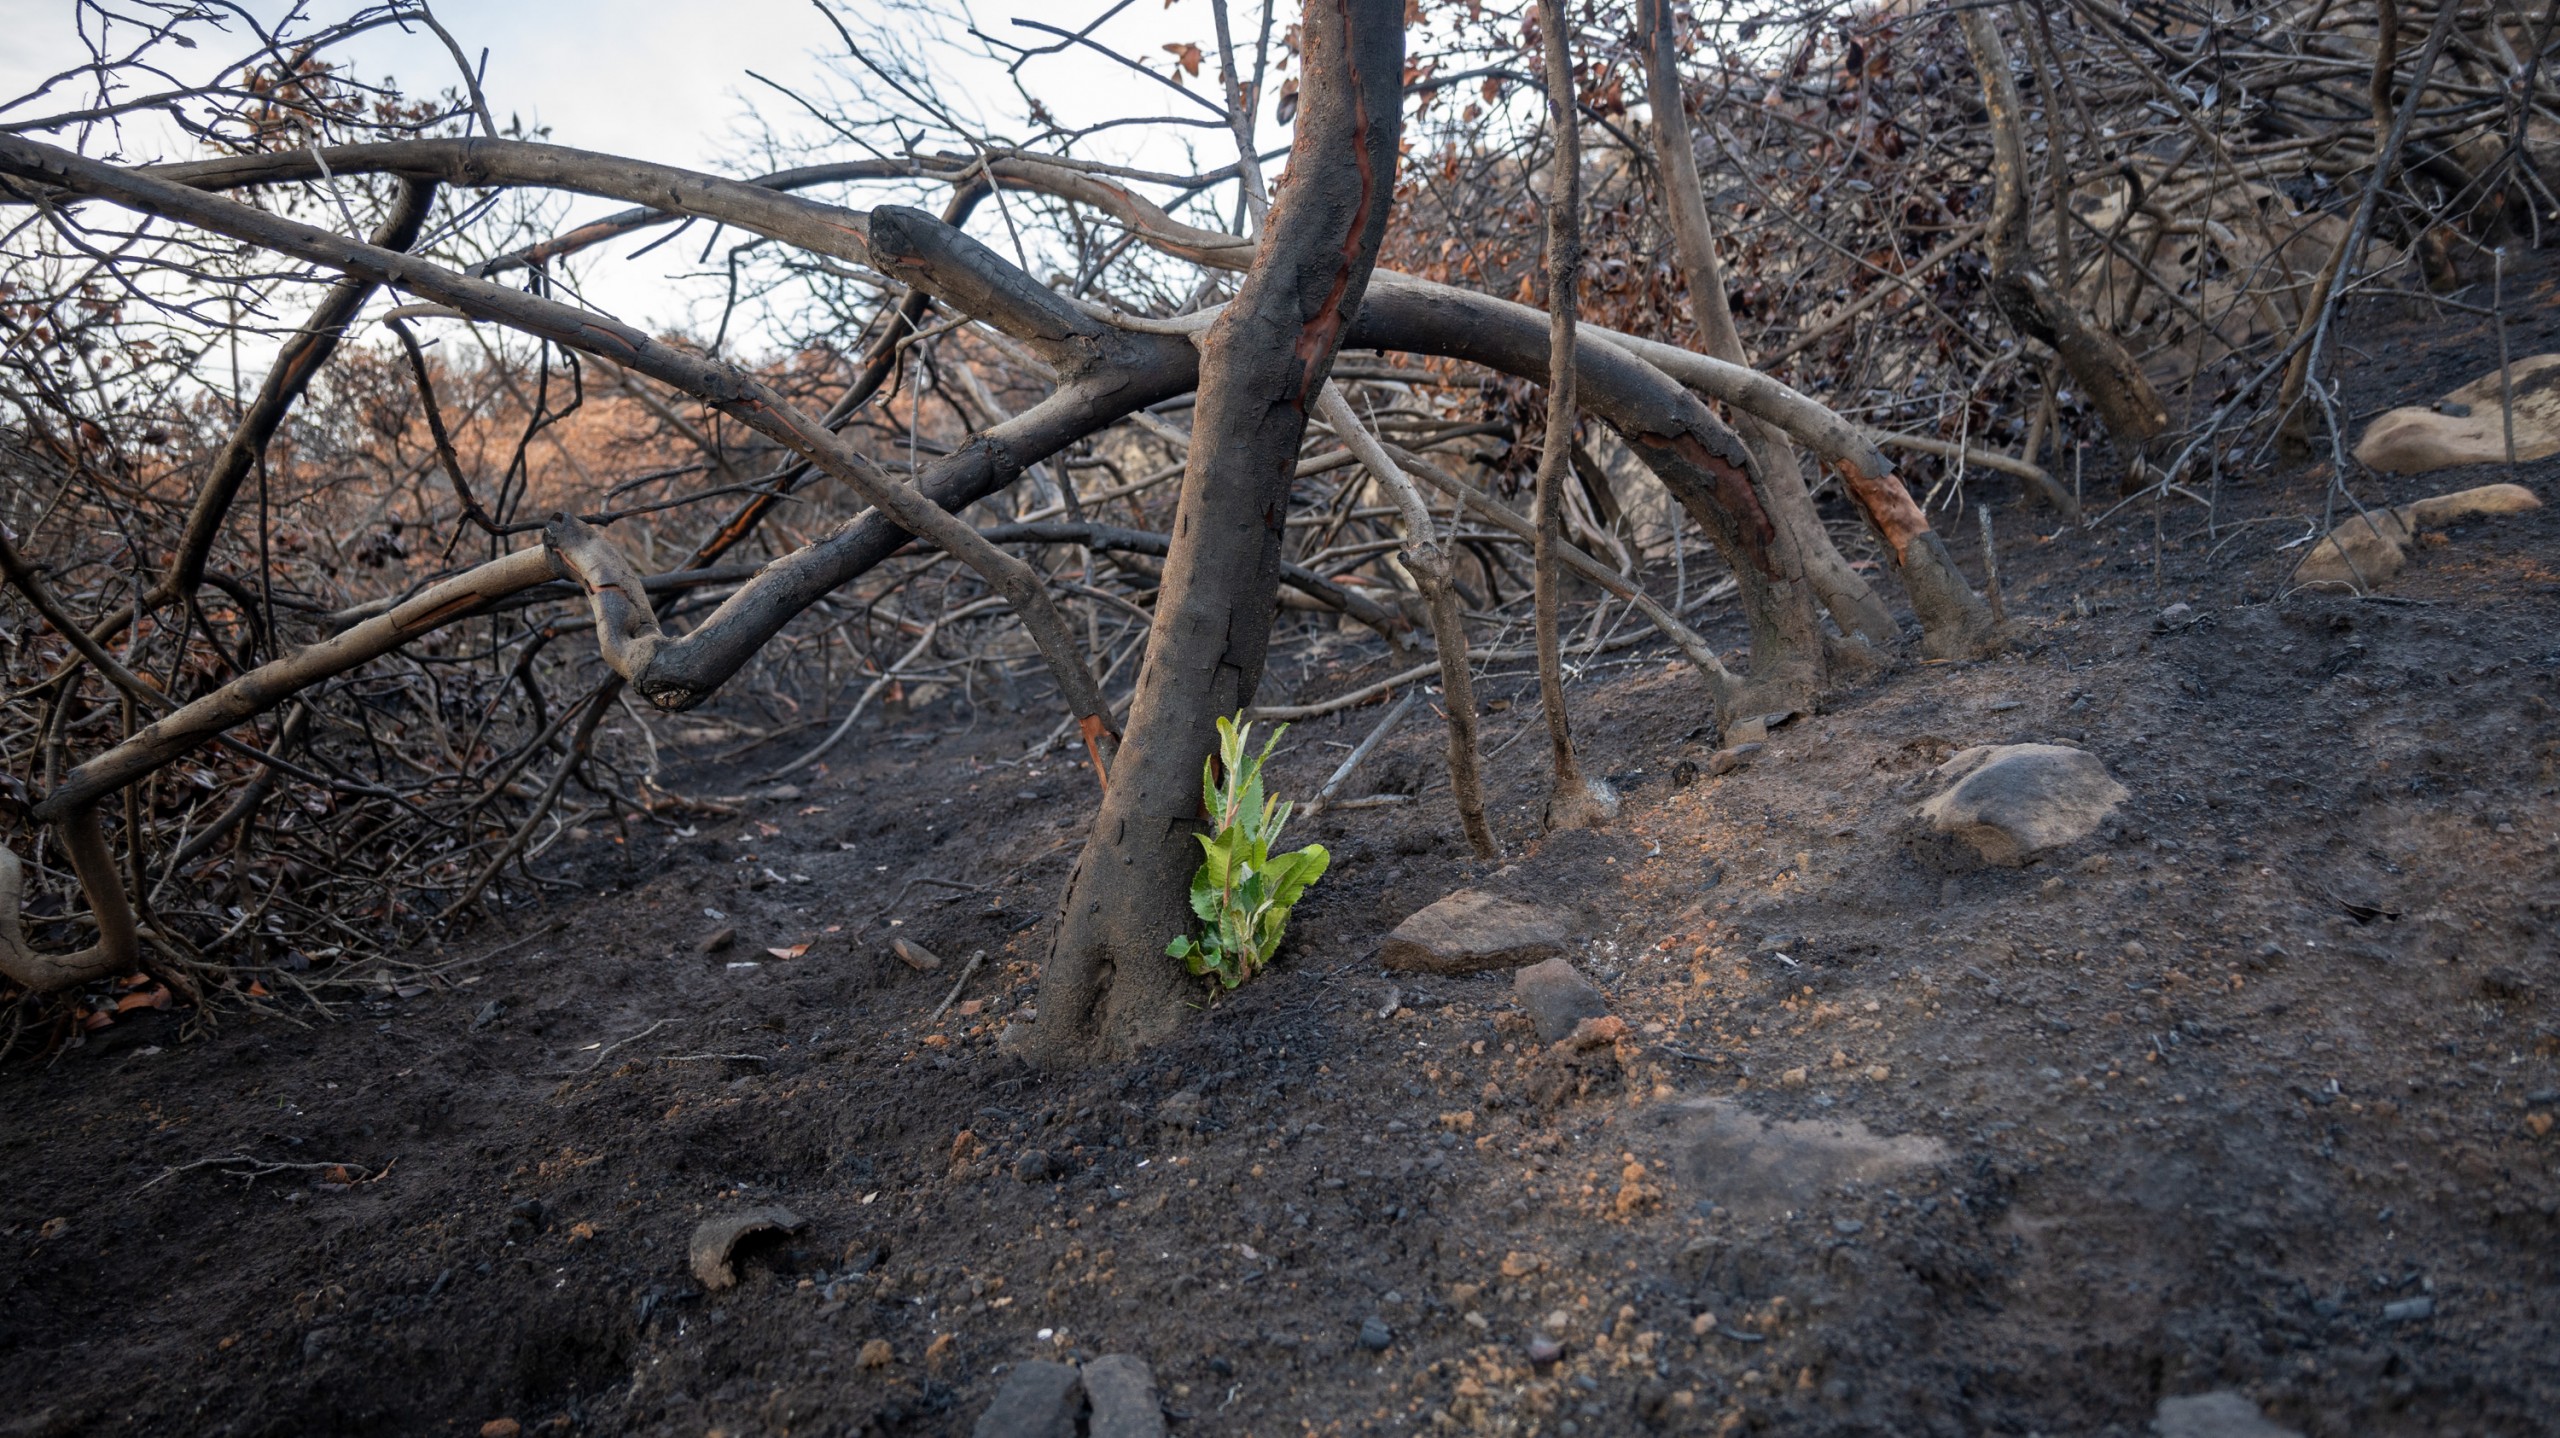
(2252, 1091)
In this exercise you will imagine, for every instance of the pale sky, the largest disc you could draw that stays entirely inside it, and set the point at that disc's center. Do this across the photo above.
(666, 80)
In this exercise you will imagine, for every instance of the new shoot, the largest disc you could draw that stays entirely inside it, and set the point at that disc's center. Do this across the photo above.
(1243, 892)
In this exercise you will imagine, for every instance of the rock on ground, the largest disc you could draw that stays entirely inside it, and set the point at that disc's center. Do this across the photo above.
(1039, 1399)
(2215, 1415)
(2466, 427)
(1557, 998)
(2371, 547)
(1113, 1396)
(1472, 930)
(2011, 803)
(1727, 1153)
(1124, 1399)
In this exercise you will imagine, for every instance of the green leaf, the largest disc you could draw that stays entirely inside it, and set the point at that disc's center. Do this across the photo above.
(1293, 873)
(1241, 894)
(1217, 861)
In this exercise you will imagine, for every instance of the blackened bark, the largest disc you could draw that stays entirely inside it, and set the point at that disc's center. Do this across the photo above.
(1109, 987)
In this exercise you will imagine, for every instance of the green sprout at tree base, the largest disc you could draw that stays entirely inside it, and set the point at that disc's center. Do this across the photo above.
(1242, 893)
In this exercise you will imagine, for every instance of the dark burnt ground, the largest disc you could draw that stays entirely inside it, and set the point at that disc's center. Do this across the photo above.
(2210, 1095)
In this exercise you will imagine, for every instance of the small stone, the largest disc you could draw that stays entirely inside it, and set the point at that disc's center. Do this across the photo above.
(915, 956)
(939, 1351)
(1040, 1399)
(1032, 1165)
(2176, 616)
(501, 1428)
(2506, 985)
(1544, 1350)
(875, 1354)
(718, 939)
(1558, 1321)
(525, 1216)
(1710, 874)
(1123, 1392)
(2214, 1415)
(1746, 731)
(1725, 761)
(2409, 1310)
(1556, 998)
(1847, 1227)
(2134, 952)
(1375, 1335)
(1470, 931)
(1795, 1078)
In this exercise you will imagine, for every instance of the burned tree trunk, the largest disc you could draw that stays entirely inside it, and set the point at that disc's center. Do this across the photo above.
(2033, 304)
(1109, 986)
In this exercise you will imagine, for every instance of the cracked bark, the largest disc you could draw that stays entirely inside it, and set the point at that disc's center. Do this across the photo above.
(1109, 986)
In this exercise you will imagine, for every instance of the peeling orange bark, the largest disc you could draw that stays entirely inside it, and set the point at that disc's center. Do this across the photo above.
(1321, 335)
(1889, 507)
